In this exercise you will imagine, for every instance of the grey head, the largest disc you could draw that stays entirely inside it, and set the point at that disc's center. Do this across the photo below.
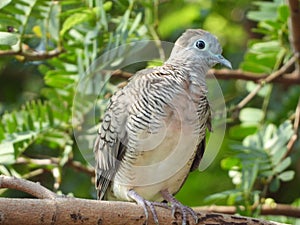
(198, 48)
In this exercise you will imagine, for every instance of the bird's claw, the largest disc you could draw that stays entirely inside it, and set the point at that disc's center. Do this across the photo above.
(185, 210)
(145, 203)
(177, 206)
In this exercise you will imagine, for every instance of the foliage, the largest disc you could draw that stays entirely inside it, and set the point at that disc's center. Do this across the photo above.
(259, 161)
(265, 56)
(58, 42)
(72, 28)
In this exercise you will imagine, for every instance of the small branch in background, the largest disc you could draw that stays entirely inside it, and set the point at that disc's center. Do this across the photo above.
(40, 162)
(55, 161)
(81, 168)
(32, 55)
(121, 74)
(266, 80)
(225, 74)
(34, 189)
(295, 128)
(294, 6)
(277, 210)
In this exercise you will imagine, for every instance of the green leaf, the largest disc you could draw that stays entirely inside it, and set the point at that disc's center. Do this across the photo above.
(3, 3)
(284, 13)
(266, 47)
(249, 176)
(135, 23)
(7, 153)
(283, 165)
(262, 93)
(286, 175)
(73, 20)
(50, 114)
(277, 156)
(252, 115)
(266, 11)
(7, 38)
(274, 185)
(230, 162)
(260, 16)
(221, 195)
(268, 134)
(30, 122)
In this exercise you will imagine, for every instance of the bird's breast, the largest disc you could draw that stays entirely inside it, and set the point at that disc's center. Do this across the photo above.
(161, 157)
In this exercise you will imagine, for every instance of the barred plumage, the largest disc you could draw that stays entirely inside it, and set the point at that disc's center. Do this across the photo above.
(162, 113)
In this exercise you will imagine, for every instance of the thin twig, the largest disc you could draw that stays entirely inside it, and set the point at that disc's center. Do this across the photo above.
(225, 74)
(295, 128)
(32, 55)
(266, 80)
(55, 161)
(80, 167)
(276, 209)
(34, 189)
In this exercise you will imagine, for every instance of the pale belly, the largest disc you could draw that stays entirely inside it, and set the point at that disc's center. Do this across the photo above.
(163, 163)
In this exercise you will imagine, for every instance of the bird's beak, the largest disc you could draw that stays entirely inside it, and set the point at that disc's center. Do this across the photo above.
(220, 59)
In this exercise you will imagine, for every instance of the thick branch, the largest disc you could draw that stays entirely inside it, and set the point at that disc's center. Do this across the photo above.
(78, 211)
(34, 189)
(55, 209)
(32, 55)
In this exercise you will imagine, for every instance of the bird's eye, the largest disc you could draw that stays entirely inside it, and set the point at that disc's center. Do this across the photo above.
(200, 44)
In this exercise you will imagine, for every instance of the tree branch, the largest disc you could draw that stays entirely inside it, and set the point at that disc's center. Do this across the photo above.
(295, 24)
(55, 161)
(32, 55)
(225, 74)
(34, 189)
(77, 211)
(295, 128)
(81, 168)
(52, 209)
(266, 80)
(277, 209)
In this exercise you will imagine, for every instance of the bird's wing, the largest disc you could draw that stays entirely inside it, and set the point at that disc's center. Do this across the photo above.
(201, 146)
(111, 142)
(109, 146)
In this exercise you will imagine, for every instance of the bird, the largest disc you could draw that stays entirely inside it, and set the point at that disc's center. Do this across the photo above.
(153, 131)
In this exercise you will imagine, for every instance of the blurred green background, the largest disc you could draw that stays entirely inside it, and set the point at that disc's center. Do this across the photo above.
(36, 94)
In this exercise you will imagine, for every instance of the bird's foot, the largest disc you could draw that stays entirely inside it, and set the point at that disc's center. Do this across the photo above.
(176, 205)
(145, 203)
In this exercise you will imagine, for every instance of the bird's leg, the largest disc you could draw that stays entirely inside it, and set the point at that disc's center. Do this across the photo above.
(175, 204)
(145, 203)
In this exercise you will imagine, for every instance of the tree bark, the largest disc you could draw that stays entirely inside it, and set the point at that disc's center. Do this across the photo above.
(82, 211)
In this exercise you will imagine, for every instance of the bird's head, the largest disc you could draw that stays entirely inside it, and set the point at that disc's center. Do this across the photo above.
(196, 46)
